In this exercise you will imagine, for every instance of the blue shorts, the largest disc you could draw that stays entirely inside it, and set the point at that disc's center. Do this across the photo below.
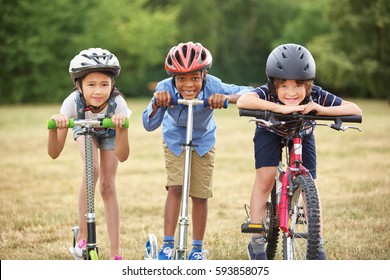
(105, 138)
(267, 150)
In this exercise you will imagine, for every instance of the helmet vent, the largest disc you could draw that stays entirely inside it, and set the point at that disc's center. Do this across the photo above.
(192, 55)
(279, 66)
(177, 55)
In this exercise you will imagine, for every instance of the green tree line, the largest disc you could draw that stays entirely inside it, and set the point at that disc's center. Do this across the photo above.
(349, 39)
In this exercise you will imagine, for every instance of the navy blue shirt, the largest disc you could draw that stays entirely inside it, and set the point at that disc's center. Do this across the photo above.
(317, 95)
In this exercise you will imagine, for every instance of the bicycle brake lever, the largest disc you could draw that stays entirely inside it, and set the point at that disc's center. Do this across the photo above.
(352, 127)
(266, 123)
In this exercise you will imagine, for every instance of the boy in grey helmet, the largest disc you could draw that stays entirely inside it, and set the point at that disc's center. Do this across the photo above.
(290, 70)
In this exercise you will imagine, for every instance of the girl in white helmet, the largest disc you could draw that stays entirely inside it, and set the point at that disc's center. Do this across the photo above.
(93, 72)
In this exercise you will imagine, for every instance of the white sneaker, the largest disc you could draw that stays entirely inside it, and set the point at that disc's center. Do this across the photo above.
(78, 251)
(80, 247)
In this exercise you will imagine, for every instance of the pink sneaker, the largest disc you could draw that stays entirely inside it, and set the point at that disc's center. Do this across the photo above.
(118, 258)
(80, 247)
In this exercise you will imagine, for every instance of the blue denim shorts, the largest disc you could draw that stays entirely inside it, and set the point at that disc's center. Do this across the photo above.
(105, 138)
(267, 150)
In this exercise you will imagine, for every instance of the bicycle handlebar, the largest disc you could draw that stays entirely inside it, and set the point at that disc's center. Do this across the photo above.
(104, 123)
(265, 115)
(204, 102)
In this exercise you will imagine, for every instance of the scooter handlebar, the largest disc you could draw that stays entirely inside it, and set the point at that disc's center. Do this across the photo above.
(204, 102)
(104, 123)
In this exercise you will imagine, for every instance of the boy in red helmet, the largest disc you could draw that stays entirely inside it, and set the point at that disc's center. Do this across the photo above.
(188, 64)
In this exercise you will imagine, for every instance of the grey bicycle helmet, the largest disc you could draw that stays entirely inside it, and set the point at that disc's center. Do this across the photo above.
(91, 60)
(290, 62)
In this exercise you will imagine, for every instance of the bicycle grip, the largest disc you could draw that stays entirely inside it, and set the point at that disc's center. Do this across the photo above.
(351, 118)
(259, 114)
(107, 123)
(51, 124)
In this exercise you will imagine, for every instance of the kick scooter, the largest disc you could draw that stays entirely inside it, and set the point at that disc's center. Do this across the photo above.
(151, 248)
(88, 126)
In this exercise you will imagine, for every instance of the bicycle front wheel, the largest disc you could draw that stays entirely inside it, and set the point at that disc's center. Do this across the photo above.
(302, 241)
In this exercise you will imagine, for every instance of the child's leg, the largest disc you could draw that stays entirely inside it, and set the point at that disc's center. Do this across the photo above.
(109, 166)
(199, 217)
(264, 181)
(171, 215)
(172, 209)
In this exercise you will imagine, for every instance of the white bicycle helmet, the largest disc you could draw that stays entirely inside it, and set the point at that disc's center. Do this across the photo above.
(91, 60)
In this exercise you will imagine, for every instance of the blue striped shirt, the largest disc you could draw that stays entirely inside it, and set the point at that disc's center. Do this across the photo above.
(317, 95)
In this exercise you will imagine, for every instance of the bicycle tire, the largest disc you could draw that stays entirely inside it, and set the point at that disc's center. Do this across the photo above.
(272, 235)
(304, 221)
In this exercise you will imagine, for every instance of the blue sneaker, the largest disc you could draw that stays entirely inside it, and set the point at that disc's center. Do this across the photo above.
(197, 254)
(253, 256)
(166, 251)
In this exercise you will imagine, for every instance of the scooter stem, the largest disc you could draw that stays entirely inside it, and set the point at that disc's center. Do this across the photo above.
(181, 251)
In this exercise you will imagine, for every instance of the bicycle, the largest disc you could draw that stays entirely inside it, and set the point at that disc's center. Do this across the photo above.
(151, 248)
(293, 206)
(88, 126)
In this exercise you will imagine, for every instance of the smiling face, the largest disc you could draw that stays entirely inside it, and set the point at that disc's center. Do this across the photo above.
(189, 84)
(96, 88)
(291, 92)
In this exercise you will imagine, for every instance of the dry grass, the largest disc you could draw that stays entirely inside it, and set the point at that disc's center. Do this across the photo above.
(38, 196)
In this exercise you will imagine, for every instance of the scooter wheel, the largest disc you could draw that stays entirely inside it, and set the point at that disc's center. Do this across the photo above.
(151, 248)
(93, 255)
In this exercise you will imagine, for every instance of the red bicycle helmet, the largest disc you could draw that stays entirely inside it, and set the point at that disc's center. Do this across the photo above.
(187, 57)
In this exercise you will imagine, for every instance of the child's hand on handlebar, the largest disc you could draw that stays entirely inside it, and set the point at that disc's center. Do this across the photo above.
(61, 121)
(217, 101)
(118, 120)
(162, 98)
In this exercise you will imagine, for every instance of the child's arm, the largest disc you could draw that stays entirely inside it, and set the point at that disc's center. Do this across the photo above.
(122, 148)
(217, 100)
(57, 137)
(252, 101)
(162, 99)
(345, 108)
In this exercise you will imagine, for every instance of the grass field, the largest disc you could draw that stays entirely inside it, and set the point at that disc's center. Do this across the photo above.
(38, 195)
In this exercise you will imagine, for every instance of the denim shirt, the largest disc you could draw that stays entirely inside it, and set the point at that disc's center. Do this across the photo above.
(174, 120)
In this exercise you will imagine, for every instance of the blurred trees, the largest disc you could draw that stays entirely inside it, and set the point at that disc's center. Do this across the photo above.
(348, 38)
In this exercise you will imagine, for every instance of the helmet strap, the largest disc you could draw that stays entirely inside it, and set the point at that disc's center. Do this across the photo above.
(272, 90)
